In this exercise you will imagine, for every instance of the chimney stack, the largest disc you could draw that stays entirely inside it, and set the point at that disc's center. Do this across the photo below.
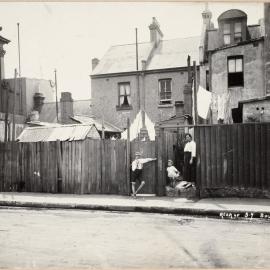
(66, 104)
(179, 108)
(267, 46)
(95, 62)
(38, 102)
(155, 33)
(207, 16)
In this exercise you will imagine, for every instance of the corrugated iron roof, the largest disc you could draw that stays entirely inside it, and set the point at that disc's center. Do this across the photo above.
(97, 122)
(61, 133)
(168, 54)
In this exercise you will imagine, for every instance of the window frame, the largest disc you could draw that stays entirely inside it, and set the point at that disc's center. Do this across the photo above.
(227, 34)
(123, 106)
(234, 73)
(235, 33)
(166, 100)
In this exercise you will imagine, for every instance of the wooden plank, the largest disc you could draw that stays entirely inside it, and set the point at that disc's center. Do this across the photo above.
(235, 156)
(160, 140)
(99, 166)
(203, 157)
(268, 157)
(224, 159)
(229, 135)
(208, 162)
(240, 156)
(246, 143)
(257, 156)
(218, 181)
(252, 156)
(198, 155)
(263, 157)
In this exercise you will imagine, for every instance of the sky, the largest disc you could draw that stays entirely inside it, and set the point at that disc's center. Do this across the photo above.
(66, 36)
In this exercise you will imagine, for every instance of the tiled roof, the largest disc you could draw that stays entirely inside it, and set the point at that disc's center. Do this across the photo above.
(173, 53)
(62, 133)
(122, 58)
(168, 54)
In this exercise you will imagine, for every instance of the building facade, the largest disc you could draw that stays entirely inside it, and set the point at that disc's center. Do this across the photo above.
(124, 82)
(232, 59)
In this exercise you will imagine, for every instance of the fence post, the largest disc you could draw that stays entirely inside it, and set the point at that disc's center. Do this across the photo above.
(128, 157)
(59, 167)
(161, 156)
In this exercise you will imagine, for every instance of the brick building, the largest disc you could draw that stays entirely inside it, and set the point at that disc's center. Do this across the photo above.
(27, 90)
(120, 90)
(233, 66)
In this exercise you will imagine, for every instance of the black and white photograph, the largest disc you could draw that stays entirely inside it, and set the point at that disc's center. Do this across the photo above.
(134, 135)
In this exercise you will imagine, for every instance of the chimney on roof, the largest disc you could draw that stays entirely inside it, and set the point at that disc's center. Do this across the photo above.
(207, 16)
(267, 46)
(95, 62)
(155, 33)
(38, 102)
(66, 105)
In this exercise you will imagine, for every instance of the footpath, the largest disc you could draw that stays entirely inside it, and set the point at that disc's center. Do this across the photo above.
(225, 208)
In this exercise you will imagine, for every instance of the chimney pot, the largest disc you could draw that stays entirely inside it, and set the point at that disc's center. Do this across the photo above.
(155, 33)
(95, 62)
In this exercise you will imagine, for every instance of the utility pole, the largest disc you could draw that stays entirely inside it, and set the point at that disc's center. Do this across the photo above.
(19, 49)
(14, 105)
(7, 92)
(137, 71)
(56, 99)
(195, 93)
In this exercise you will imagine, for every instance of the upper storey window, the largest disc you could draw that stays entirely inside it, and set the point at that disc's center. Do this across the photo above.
(227, 33)
(233, 26)
(230, 37)
(237, 32)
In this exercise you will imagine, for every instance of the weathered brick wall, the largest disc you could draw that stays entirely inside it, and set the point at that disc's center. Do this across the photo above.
(253, 75)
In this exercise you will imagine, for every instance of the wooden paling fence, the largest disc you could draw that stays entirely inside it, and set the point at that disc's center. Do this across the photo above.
(228, 156)
(233, 156)
(77, 167)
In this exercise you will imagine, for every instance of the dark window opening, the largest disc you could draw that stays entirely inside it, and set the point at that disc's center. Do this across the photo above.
(237, 114)
(235, 71)
(165, 91)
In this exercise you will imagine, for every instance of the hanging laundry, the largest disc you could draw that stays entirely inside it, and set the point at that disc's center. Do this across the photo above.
(204, 98)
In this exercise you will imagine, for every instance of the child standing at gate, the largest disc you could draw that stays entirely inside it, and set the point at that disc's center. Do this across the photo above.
(137, 168)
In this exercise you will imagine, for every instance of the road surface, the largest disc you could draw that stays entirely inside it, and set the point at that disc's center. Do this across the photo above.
(74, 238)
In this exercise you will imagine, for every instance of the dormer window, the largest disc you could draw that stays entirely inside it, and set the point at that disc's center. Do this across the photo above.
(237, 32)
(227, 33)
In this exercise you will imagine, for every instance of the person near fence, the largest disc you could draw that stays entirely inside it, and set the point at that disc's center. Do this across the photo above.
(189, 159)
(137, 168)
(173, 173)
